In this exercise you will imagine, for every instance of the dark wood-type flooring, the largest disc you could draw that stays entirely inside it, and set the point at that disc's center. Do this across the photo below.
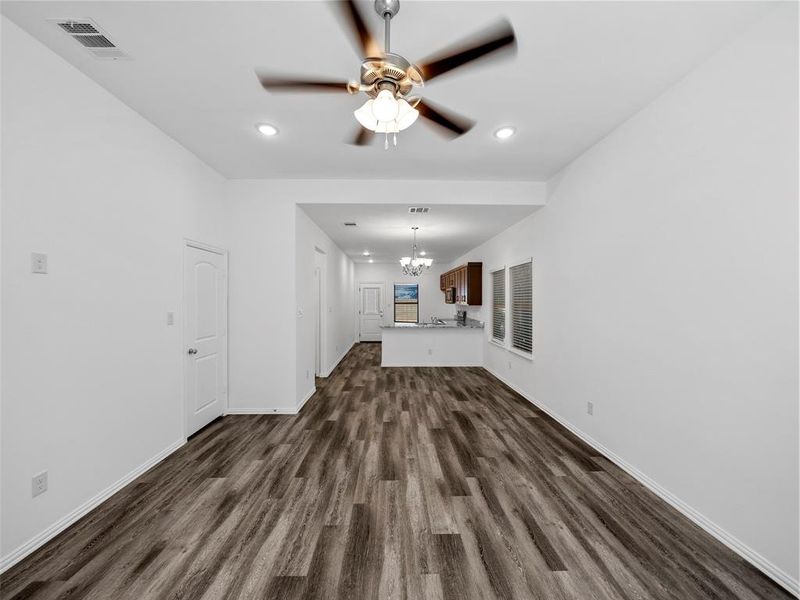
(436, 483)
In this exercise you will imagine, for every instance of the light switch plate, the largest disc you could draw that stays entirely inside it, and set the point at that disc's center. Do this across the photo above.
(38, 262)
(170, 318)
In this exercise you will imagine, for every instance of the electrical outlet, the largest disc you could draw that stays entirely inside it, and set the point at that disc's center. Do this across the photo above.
(38, 263)
(170, 318)
(39, 484)
(590, 408)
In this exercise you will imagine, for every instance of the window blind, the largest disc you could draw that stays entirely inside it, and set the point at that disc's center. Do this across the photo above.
(499, 304)
(521, 283)
(406, 303)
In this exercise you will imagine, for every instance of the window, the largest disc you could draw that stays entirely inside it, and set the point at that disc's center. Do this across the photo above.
(406, 303)
(521, 284)
(499, 305)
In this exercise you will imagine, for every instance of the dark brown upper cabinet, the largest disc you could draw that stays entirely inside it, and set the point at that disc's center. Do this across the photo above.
(467, 281)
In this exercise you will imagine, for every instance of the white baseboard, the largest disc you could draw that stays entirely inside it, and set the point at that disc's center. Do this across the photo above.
(261, 411)
(310, 393)
(272, 411)
(338, 360)
(53, 530)
(771, 570)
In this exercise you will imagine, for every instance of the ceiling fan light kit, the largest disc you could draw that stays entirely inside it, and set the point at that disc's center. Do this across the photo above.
(388, 79)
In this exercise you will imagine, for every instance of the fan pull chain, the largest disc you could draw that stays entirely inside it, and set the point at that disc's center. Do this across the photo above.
(386, 142)
(395, 139)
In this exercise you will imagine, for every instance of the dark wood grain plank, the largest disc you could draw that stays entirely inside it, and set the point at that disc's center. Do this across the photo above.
(435, 483)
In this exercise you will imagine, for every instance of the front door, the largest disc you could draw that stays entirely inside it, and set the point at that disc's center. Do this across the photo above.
(205, 332)
(370, 311)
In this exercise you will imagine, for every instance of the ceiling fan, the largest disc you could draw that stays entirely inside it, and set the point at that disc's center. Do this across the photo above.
(388, 79)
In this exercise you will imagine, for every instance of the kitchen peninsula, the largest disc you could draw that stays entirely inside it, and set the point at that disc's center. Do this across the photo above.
(440, 343)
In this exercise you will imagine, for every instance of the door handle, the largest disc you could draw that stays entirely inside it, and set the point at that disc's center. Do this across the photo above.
(192, 351)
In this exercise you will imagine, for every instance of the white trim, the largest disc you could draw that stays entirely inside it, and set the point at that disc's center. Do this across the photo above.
(308, 397)
(261, 411)
(771, 570)
(510, 311)
(273, 411)
(338, 360)
(203, 246)
(500, 343)
(53, 530)
(392, 304)
(520, 353)
(321, 319)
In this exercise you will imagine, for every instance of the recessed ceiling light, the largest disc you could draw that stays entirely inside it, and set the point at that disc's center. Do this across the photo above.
(267, 129)
(365, 253)
(504, 133)
(370, 260)
(422, 253)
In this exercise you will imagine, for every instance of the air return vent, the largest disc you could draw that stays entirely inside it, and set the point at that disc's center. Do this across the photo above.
(90, 36)
(75, 28)
(417, 210)
(350, 224)
(94, 41)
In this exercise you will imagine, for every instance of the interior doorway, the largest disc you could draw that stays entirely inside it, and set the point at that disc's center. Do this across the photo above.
(319, 312)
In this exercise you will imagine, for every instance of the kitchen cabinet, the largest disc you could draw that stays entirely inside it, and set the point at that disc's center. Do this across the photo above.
(467, 280)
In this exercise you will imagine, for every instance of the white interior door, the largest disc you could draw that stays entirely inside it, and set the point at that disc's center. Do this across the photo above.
(370, 311)
(205, 334)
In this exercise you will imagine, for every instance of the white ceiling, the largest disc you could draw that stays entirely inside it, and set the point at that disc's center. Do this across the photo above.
(384, 230)
(582, 68)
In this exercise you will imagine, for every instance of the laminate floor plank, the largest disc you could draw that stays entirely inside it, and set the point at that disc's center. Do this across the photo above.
(391, 484)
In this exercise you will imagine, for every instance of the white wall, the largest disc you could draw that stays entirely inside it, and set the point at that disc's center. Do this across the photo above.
(338, 310)
(262, 299)
(412, 191)
(666, 292)
(431, 298)
(91, 373)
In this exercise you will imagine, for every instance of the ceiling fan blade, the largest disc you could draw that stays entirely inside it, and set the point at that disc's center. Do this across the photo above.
(363, 137)
(450, 124)
(281, 83)
(499, 36)
(362, 39)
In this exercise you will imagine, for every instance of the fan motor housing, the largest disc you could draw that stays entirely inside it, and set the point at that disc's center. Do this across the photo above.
(390, 69)
(387, 7)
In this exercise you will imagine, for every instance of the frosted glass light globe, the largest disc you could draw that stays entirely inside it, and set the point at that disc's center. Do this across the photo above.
(385, 107)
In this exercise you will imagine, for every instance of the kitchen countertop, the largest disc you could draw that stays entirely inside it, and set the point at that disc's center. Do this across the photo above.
(448, 324)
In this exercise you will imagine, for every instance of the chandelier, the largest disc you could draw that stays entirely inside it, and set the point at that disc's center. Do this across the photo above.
(411, 264)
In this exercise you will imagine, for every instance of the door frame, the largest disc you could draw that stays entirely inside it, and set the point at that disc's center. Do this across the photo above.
(190, 243)
(358, 304)
(321, 322)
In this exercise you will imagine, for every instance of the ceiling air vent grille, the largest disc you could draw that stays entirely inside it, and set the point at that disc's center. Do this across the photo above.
(75, 27)
(350, 224)
(90, 36)
(95, 41)
(419, 210)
